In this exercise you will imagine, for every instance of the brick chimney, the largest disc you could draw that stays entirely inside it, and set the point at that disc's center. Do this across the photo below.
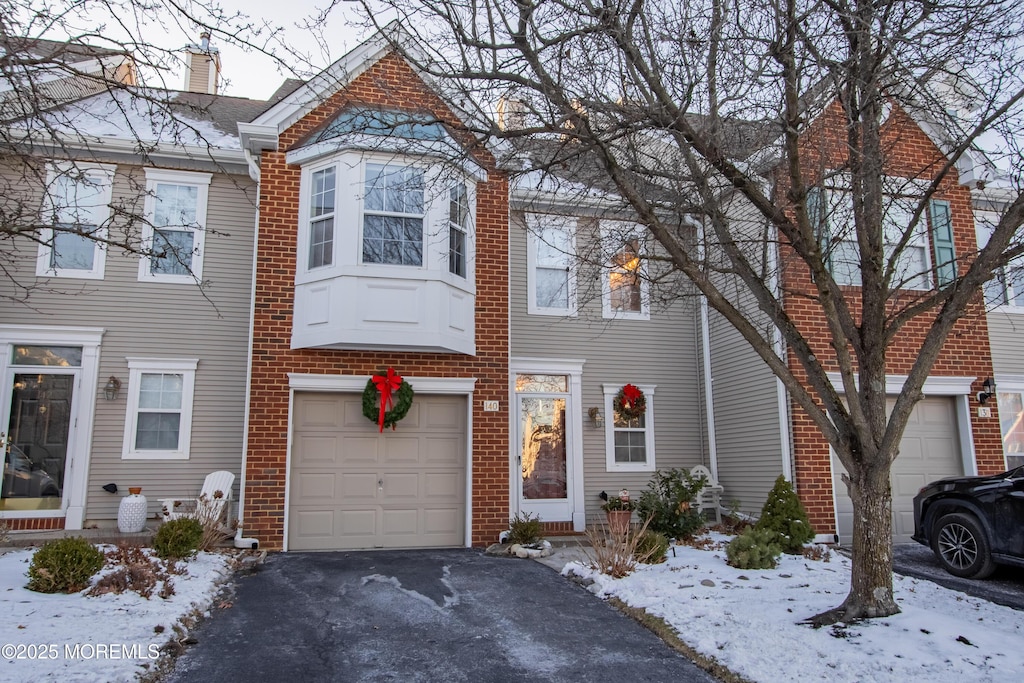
(202, 66)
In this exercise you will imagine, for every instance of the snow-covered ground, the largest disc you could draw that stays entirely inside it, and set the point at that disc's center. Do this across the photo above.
(748, 621)
(74, 638)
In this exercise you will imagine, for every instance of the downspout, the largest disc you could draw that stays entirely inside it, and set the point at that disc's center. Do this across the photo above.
(779, 344)
(705, 342)
(240, 541)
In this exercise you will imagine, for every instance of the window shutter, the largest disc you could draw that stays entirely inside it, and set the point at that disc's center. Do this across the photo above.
(942, 240)
(816, 216)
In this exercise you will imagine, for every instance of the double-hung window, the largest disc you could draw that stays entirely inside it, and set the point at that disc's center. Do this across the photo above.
(629, 441)
(1006, 288)
(551, 277)
(175, 230)
(158, 423)
(458, 229)
(1010, 396)
(393, 215)
(77, 205)
(624, 291)
(323, 189)
(831, 212)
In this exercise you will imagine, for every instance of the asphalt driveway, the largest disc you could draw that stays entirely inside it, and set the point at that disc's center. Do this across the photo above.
(1005, 587)
(419, 615)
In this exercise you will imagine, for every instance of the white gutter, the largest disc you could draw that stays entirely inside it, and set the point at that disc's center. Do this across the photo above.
(709, 399)
(240, 541)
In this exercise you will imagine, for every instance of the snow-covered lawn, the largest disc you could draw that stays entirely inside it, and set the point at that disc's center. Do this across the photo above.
(74, 638)
(747, 621)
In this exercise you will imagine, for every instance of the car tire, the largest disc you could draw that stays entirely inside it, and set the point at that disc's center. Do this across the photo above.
(961, 546)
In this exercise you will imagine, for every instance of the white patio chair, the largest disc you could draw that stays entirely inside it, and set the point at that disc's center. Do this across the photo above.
(212, 504)
(710, 496)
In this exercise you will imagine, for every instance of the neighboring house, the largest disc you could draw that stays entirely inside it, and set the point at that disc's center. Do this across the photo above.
(383, 243)
(949, 432)
(115, 367)
(588, 318)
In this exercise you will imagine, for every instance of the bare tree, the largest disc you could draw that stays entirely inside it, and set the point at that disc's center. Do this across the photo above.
(74, 77)
(735, 132)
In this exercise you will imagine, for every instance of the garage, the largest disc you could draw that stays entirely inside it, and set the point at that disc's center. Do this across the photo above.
(930, 450)
(352, 487)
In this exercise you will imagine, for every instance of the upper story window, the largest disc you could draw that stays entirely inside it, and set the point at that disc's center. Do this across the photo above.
(77, 205)
(624, 291)
(393, 215)
(458, 228)
(175, 229)
(831, 212)
(1006, 288)
(321, 218)
(551, 278)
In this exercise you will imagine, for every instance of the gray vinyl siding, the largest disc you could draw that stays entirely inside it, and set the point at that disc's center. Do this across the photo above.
(165, 321)
(1006, 337)
(748, 428)
(748, 435)
(663, 351)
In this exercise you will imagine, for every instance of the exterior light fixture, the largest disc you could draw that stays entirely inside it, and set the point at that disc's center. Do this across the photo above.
(989, 388)
(112, 388)
(596, 417)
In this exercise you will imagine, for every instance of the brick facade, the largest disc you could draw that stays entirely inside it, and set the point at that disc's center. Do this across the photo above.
(966, 353)
(391, 83)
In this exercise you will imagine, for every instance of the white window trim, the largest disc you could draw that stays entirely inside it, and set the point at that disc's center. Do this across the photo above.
(1010, 384)
(921, 240)
(535, 223)
(136, 368)
(613, 234)
(1007, 302)
(46, 235)
(610, 391)
(202, 182)
(428, 179)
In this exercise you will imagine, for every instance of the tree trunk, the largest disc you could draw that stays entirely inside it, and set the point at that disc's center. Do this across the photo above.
(871, 579)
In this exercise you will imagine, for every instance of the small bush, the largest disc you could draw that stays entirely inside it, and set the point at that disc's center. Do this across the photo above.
(178, 538)
(651, 547)
(754, 549)
(64, 565)
(784, 515)
(525, 529)
(666, 504)
(613, 554)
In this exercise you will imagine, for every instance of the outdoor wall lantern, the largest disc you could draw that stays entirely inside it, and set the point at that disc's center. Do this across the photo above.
(596, 417)
(112, 388)
(989, 391)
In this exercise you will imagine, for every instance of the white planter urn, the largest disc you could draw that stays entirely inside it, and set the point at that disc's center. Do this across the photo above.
(131, 514)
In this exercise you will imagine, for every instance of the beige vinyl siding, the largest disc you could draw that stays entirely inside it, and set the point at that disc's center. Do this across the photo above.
(662, 351)
(1006, 337)
(165, 321)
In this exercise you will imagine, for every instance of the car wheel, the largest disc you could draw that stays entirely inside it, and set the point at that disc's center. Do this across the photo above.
(961, 546)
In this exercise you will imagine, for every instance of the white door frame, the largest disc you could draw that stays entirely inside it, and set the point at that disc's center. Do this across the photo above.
(83, 409)
(573, 369)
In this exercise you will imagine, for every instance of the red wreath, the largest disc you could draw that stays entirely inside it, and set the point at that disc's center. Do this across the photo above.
(630, 402)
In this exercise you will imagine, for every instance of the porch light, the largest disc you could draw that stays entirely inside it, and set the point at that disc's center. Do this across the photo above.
(112, 388)
(596, 417)
(989, 391)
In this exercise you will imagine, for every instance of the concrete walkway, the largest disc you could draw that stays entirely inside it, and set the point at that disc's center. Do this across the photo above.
(421, 615)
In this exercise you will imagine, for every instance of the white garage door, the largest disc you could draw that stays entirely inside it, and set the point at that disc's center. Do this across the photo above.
(930, 450)
(353, 487)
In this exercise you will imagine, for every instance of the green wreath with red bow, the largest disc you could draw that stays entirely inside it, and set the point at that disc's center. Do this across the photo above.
(630, 402)
(387, 399)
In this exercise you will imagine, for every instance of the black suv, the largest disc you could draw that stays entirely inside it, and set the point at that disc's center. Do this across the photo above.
(973, 523)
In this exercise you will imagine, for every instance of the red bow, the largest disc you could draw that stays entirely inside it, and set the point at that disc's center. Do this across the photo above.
(385, 385)
(630, 395)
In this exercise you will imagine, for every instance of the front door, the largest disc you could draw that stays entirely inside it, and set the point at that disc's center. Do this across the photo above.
(545, 468)
(39, 389)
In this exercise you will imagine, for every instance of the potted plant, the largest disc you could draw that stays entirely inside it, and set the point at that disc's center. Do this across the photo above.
(619, 510)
